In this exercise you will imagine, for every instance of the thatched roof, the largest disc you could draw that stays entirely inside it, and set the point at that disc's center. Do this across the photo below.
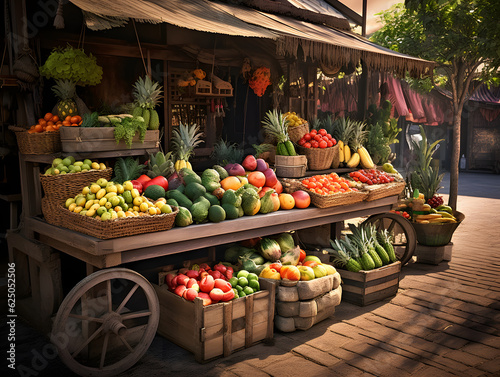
(322, 38)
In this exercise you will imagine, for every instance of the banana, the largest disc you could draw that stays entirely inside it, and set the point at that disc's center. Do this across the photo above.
(347, 153)
(365, 158)
(354, 160)
(341, 151)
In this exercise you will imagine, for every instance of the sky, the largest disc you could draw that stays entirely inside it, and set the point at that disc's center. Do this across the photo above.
(374, 6)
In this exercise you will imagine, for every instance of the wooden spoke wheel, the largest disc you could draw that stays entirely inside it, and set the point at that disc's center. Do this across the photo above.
(106, 323)
(404, 238)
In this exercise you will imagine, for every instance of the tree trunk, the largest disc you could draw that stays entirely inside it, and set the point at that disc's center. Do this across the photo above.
(455, 157)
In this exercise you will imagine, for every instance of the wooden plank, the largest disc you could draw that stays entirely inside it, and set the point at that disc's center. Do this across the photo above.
(227, 328)
(382, 286)
(249, 320)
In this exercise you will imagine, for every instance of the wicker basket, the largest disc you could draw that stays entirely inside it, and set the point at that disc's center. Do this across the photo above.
(336, 157)
(38, 142)
(49, 211)
(318, 158)
(60, 187)
(296, 133)
(325, 201)
(291, 166)
(122, 227)
(383, 190)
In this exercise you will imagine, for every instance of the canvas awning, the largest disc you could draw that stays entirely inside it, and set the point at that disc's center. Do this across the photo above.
(328, 46)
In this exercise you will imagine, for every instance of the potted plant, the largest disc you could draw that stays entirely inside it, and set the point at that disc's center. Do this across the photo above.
(70, 67)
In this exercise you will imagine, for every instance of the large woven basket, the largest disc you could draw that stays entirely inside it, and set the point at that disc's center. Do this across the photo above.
(383, 190)
(38, 142)
(296, 133)
(122, 227)
(318, 158)
(325, 201)
(336, 157)
(63, 186)
(290, 166)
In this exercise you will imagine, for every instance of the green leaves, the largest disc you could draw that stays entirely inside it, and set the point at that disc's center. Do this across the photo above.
(72, 64)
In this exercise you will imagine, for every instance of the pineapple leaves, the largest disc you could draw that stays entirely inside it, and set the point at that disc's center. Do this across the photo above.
(127, 169)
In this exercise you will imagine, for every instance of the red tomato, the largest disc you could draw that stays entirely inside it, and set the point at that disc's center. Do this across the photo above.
(314, 144)
(329, 143)
(322, 144)
(329, 136)
(302, 141)
(322, 132)
(317, 137)
(313, 132)
(307, 137)
(307, 145)
(302, 256)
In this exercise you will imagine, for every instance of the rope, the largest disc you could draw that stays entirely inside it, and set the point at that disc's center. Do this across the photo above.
(140, 48)
(59, 19)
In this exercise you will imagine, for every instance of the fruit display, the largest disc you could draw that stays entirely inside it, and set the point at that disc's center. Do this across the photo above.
(219, 283)
(328, 184)
(424, 213)
(371, 176)
(317, 139)
(107, 200)
(147, 94)
(364, 248)
(275, 125)
(277, 257)
(351, 135)
(51, 123)
(70, 165)
(293, 119)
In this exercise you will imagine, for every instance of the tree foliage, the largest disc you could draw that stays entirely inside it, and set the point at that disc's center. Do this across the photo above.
(461, 36)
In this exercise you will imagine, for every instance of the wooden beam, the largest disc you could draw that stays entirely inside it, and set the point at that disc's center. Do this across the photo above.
(346, 11)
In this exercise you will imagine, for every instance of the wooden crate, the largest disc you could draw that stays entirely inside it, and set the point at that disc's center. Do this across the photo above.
(100, 139)
(220, 329)
(367, 287)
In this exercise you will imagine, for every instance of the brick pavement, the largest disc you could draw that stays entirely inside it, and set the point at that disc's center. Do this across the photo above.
(444, 321)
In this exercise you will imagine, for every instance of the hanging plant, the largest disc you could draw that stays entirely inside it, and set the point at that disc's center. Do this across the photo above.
(260, 80)
(72, 64)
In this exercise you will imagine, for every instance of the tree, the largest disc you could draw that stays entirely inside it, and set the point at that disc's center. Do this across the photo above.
(461, 36)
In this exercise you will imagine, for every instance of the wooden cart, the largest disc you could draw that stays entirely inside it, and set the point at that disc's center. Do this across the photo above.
(116, 308)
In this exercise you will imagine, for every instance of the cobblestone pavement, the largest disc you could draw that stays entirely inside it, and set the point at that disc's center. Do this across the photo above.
(444, 321)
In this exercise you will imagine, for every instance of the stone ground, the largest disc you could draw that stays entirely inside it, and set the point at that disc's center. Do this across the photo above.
(444, 321)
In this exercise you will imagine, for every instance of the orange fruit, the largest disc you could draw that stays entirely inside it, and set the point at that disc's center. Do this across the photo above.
(257, 178)
(286, 201)
(231, 182)
(50, 128)
(55, 119)
(38, 128)
(48, 116)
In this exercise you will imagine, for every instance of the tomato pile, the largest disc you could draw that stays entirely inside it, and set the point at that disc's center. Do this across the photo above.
(327, 184)
(371, 176)
(317, 139)
(405, 214)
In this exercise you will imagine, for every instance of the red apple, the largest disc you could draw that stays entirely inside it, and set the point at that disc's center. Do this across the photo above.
(278, 187)
(193, 274)
(216, 294)
(290, 273)
(168, 280)
(179, 290)
(261, 165)
(207, 284)
(182, 279)
(205, 297)
(202, 275)
(302, 199)
(215, 274)
(190, 294)
(223, 285)
(249, 163)
(193, 283)
(271, 178)
(228, 296)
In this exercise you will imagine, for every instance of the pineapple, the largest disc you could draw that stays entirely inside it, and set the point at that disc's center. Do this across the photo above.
(341, 255)
(226, 153)
(147, 94)
(160, 164)
(65, 90)
(342, 131)
(424, 178)
(276, 126)
(184, 140)
(356, 143)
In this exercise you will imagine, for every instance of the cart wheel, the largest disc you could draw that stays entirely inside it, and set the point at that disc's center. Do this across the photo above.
(106, 323)
(403, 233)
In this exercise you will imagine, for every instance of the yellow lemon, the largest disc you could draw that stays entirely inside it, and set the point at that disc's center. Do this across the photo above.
(69, 202)
(95, 165)
(135, 193)
(88, 204)
(78, 209)
(94, 187)
(85, 190)
(102, 201)
(119, 188)
(120, 214)
(128, 186)
(72, 207)
(102, 166)
(138, 200)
